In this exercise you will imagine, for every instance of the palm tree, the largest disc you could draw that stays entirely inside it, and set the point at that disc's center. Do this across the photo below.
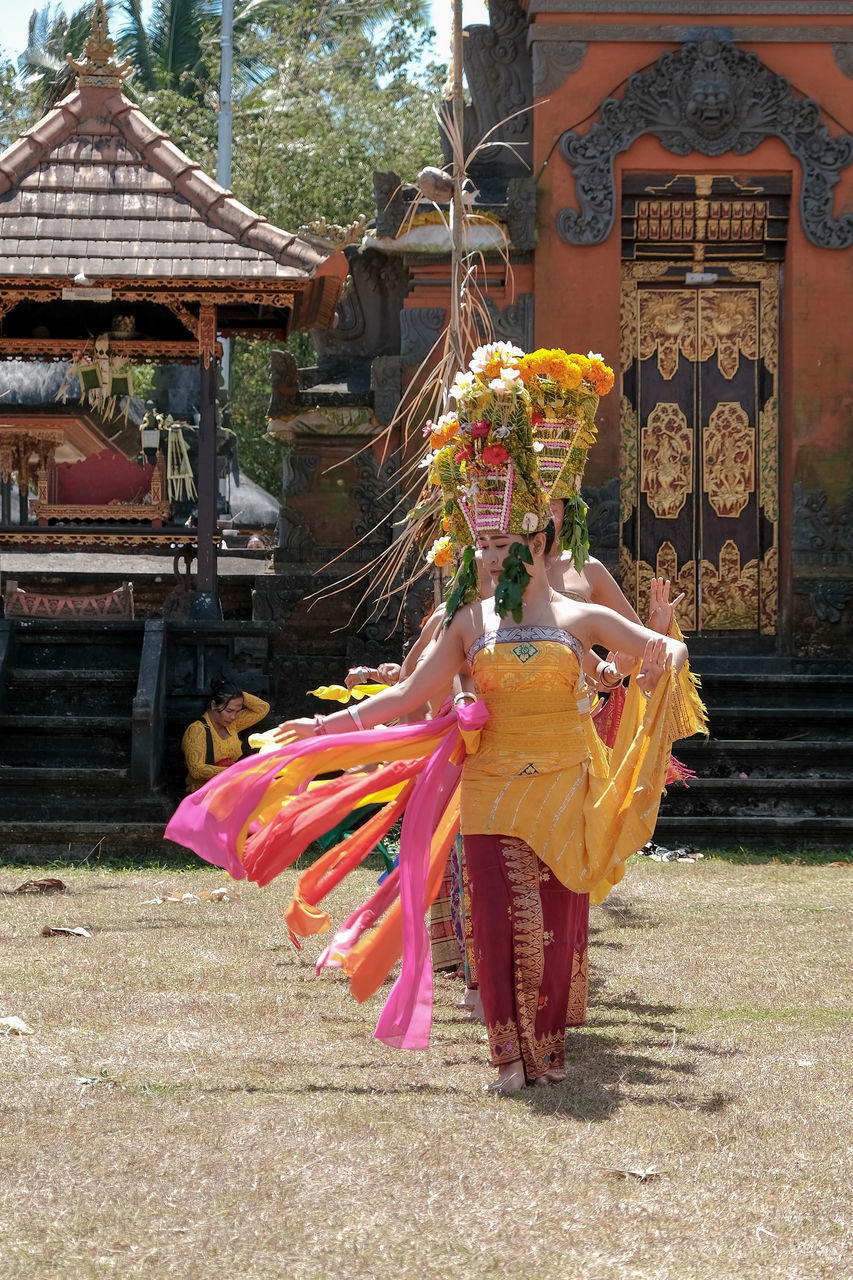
(51, 35)
(176, 49)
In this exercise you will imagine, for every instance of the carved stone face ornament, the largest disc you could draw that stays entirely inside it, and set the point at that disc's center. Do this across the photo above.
(710, 106)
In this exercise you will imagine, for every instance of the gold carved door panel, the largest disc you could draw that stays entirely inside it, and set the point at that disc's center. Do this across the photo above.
(700, 444)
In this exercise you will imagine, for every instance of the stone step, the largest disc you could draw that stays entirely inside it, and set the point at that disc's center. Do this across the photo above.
(735, 662)
(96, 780)
(762, 688)
(78, 794)
(71, 691)
(71, 742)
(77, 645)
(774, 797)
(762, 758)
(123, 842)
(730, 831)
(779, 722)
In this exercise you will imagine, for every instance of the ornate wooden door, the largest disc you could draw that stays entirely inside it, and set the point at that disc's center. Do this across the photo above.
(700, 443)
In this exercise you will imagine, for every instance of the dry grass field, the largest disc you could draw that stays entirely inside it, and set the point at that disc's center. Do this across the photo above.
(196, 1103)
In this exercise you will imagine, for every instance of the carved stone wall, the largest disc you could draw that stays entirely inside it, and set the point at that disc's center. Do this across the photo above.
(822, 538)
(711, 97)
(368, 315)
(499, 73)
(603, 521)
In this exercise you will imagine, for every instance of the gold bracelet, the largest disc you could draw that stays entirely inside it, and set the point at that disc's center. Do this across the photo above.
(608, 684)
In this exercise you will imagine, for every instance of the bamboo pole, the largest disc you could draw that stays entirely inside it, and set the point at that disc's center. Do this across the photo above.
(457, 211)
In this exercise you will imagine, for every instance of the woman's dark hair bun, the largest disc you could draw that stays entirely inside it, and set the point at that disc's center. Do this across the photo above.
(222, 690)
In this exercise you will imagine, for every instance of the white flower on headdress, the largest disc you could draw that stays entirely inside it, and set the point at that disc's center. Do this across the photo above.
(507, 381)
(595, 355)
(538, 446)
(429, 458)
(503, 352)
(463, 386)
(529, 522)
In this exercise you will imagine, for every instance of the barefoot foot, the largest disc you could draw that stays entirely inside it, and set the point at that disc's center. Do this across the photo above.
(476, 1010)
(554, 1076)
(510, 1079)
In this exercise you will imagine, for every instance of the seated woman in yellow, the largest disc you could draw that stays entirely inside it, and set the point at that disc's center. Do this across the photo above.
(213, 743)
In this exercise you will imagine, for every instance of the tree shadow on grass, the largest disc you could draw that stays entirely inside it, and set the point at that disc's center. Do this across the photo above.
(347, 1088)
(649, 1064)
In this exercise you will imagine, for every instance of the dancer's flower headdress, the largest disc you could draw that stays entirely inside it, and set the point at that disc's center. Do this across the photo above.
(564, 392)
(486, 465)
(521, 435)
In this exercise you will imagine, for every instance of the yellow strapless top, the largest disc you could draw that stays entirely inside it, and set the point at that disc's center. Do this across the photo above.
(531, 682)
(540, 771)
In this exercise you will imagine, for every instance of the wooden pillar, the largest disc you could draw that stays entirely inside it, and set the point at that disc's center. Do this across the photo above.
(207, 600)
(6, 464)
(24, 484)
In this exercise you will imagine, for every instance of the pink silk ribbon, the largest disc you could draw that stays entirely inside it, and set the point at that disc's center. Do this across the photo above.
(215, 820)
(407, 1015)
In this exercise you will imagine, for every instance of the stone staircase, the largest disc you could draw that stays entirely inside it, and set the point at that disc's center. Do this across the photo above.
(77, 773)
(777, 770)
(86, 738)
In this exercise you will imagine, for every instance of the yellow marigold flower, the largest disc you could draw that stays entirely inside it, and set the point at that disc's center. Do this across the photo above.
(573, 375)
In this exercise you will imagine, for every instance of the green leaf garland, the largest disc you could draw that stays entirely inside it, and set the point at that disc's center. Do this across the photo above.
(512, 584)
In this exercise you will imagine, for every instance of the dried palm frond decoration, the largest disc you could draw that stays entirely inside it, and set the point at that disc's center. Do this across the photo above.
(105, 377)
(426, 404)
(179, 472)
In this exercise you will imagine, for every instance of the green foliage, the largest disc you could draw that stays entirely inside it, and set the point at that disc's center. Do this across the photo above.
(14, 114)
(574, 535)
(259, 455)
(463, 588)
(51, 35)
(339, 102)
(512, 584)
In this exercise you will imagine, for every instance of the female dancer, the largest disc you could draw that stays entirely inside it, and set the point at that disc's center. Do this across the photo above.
(544, 818)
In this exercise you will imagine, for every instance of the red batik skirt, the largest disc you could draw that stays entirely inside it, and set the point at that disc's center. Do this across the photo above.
(530, 940)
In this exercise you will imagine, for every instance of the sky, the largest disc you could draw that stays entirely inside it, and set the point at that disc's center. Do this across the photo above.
(15, 17)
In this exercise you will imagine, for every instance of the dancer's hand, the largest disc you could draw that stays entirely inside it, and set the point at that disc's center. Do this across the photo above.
(389, 672)
(661, 608)
(359, 675)
(623, 662)
(293, 730)
(656, 660)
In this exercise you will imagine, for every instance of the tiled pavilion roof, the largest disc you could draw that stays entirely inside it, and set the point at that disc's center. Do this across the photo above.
(95, 187)
(96, 184)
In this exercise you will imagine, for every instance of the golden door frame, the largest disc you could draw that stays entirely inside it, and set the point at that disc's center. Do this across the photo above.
(728, 579)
